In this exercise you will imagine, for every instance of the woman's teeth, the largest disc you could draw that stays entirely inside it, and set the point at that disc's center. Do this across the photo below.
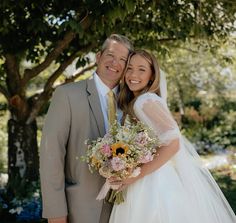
(134, 82)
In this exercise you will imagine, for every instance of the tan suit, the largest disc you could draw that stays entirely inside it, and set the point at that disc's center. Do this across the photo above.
(68, 188)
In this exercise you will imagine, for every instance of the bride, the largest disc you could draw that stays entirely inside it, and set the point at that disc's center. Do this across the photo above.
(175, 187)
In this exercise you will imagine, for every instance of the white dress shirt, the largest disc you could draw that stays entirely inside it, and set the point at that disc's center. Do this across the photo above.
(102, 93)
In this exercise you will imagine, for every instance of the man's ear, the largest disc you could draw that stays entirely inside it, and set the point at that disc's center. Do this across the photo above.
(98, 56)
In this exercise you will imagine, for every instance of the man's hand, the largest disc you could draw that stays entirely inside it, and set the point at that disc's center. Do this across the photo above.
(57, 220)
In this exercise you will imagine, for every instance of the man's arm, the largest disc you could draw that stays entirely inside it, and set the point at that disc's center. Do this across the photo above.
(52, 156)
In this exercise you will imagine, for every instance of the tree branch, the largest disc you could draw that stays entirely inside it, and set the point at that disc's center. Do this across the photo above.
(74, 77)
(60, 46)
(172, 39)
(48, 89)
(188, 49)
(42, 98)
(13, 79)
(63, 66)
(59, 71)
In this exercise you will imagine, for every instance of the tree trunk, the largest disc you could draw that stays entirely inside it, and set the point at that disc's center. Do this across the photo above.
(23, 159)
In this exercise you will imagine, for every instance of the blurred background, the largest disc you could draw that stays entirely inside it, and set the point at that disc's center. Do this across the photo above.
(46, 43)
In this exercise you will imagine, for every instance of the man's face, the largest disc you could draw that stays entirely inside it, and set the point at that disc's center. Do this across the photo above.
(111, 63)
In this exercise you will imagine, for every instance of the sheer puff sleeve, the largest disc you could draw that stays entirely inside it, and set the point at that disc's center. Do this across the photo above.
(152, 110)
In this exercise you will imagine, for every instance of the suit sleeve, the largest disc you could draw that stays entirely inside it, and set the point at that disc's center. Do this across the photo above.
(52, 155)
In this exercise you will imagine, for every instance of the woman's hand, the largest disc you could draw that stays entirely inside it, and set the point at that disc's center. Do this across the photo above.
(119, 184)
(115, 182)
(125, 183)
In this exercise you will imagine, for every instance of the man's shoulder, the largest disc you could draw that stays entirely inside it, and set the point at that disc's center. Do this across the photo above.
(75, 86)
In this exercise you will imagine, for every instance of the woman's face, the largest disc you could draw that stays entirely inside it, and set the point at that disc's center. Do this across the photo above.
(138, 74)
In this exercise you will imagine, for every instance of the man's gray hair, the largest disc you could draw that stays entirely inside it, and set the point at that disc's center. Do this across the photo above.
(120, 39)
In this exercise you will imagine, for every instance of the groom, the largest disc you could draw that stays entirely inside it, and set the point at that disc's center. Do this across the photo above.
(78, 112)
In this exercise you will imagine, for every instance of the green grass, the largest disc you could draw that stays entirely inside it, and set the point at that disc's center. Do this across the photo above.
(227, 183)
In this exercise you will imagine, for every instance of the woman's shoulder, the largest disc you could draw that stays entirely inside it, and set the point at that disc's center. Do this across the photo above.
(148, 97)
(150, 101)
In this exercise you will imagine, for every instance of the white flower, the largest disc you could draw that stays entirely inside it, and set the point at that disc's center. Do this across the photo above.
(17, 210)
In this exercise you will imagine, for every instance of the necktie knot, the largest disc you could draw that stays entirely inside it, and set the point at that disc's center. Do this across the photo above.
(111, 94)
(111, 107)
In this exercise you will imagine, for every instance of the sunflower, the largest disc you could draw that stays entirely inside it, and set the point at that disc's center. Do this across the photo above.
(119, 149)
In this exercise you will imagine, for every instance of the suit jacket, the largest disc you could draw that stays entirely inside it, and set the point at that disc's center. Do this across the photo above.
(68, 188)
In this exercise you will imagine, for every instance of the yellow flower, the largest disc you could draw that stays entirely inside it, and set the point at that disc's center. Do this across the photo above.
(119, 149)
(95, 162)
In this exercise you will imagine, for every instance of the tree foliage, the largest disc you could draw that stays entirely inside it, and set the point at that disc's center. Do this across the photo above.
(202, 91)
(61, 31)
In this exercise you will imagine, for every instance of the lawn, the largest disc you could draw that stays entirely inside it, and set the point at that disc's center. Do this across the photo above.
(226, 179)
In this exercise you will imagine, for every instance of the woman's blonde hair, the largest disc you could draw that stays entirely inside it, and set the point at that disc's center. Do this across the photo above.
(126, 97)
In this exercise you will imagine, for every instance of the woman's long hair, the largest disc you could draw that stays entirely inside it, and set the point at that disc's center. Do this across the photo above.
(126, 97)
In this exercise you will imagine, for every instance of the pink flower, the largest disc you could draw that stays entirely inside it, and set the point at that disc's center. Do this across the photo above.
(141, 138)
(106, 150)
(117, 164)
(147, 157)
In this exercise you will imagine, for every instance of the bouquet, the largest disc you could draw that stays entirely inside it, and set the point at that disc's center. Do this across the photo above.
(120, 153)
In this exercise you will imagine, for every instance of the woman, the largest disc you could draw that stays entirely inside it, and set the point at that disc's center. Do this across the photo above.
(174, 187)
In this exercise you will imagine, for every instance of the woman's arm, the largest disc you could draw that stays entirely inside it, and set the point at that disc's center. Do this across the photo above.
(153, 111)
(164, 154)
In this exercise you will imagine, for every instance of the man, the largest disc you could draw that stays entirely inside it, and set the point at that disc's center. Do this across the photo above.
(78, 112)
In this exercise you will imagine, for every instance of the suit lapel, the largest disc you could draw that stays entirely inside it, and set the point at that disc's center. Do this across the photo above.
(95, 105)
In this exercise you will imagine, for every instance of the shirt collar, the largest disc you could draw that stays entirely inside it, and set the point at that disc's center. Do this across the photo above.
(103, 88)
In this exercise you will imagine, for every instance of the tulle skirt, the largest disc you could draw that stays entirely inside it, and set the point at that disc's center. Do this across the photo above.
(181, 191)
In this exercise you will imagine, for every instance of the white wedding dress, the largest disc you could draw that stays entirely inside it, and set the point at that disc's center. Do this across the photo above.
(182, 190)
